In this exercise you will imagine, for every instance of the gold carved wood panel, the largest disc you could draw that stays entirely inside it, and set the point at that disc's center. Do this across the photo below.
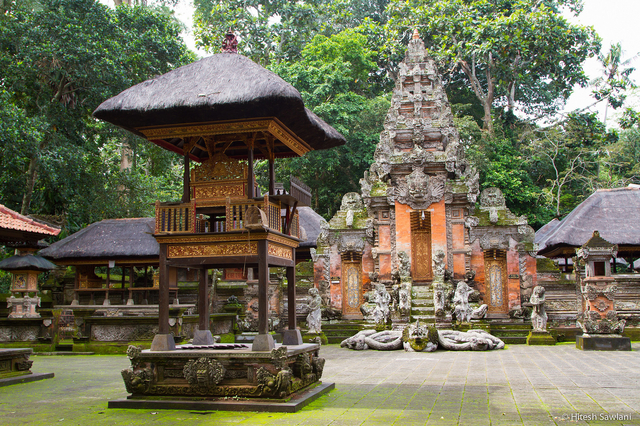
(351, 288)
(421, 246)
(220, 190)
(211, 250)
(280, 251)
(496, 296)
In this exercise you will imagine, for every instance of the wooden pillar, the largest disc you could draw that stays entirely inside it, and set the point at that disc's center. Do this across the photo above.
(163, 341)
(163, 295)
(76, 286)
(203, 300)
(263, 288)
(291, 293)
(250, 177)
(186, 181)
(106, 295)
(130, 300)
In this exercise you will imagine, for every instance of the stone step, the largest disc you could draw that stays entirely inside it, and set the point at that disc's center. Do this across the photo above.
(326, 327)
(418, 310)
(428, 319)
(422, 302)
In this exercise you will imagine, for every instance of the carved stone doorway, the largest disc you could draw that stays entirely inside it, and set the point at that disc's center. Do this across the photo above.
(421, 246)
(495, 267)
(351, 284)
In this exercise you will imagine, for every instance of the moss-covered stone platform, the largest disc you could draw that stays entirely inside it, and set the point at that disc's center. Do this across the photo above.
(224, 377)
(15, 367)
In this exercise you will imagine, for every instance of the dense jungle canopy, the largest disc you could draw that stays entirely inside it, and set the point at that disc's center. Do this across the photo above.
(507, 65)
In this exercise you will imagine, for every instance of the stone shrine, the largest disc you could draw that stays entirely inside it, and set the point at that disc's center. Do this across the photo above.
(601, 328)
(418, 205)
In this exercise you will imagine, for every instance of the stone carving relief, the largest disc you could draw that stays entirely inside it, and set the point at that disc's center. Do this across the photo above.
(474, 340)
(538, 315)
(462, 310)
(420, 190)
(314, 318)
(278, 385)
(351, 242)
(417, 337)
(386, 340)
(203, 372)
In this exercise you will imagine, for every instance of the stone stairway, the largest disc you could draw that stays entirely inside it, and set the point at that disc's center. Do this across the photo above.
(422, 304)
(337, 332)
(509, 332)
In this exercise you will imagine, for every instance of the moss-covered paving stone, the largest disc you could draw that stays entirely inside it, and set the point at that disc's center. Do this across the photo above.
(519, 385)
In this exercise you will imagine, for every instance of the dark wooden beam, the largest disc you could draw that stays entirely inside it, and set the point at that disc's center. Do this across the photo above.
(203, 300)
(163, 293)
(291, 293)
(186, 181)
(272, 177)
(263, 287)
(250, 177)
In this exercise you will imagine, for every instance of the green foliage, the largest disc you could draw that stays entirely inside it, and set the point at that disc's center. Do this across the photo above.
(59, 62)
(333, 77)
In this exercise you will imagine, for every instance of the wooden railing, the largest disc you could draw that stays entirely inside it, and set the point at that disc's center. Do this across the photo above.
(182, 218)
(175, 218)
(236, 213)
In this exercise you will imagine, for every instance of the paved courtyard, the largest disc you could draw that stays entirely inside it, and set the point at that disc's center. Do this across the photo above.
(517, 385)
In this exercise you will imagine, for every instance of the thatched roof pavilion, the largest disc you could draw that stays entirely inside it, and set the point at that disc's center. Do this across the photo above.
(221, 88)
(612, 212)
(126, 240)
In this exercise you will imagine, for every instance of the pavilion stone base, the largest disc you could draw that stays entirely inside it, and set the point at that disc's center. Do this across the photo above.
(540, 338)
(15, 367)
(603, 342)
(210, 377)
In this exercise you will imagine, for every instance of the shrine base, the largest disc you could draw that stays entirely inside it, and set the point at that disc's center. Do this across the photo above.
(224, 377)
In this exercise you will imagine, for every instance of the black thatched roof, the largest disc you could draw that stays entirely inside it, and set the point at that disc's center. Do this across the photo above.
(27, 262)
(612, 212)
(110, 239)
(311, 222)
(222, 87)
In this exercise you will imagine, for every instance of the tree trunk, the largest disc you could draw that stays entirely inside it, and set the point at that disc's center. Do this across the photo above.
(486, 99)
(32, 173)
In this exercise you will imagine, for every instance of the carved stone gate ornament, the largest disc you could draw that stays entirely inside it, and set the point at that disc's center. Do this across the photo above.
(203, 372)
(421, 190)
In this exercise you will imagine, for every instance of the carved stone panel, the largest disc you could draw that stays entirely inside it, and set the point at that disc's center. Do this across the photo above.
(351, 288)
(495, 264)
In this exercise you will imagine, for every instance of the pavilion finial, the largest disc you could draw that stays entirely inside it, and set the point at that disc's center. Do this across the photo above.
(230, 43)
(416, 35)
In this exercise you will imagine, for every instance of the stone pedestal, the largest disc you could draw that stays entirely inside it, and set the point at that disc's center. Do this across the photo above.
(540, 338)
(603, 342)
(263, 342)
(163, 342)
(188, 375)
(203, 337)
(291, 337)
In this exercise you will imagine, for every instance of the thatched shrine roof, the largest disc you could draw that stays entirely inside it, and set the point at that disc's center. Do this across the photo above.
(311, 222)
(204, 95)
(27, 262)
(612, 212)
(16, 229)
(109, 239)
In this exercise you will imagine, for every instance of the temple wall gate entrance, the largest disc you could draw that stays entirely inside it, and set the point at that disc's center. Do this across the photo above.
(495, 264)
(352, 284)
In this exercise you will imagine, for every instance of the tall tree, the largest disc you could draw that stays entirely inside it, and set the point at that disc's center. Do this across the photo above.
(511, 52)
(59, 62)
(334, 77)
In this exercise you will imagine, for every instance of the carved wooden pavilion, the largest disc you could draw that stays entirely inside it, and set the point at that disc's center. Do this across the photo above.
(224, 112)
